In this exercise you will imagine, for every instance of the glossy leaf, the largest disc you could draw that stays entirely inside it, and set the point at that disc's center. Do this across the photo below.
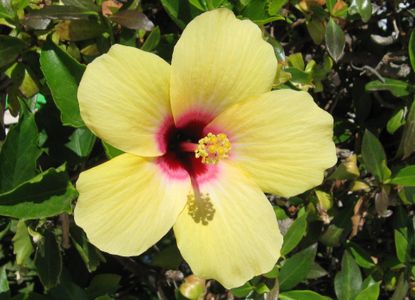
(294, 234)
(398, 88)
(348, 280)
(48, 261)
(81, 141)
(47, 194)
(361, 257)
(411, 49)
(62, 74)
(10, 49)
(364, 8)
(302, 295)
(103, 284)
(61, 12)
(370, 293)
(4, 283)
(19, 154)
(22, 243)
(374, 157)
(407, 143)
(405, 176)
(401, 243)
(396, 121)
(296, 267)
(133, 19)
(152, 40)
(335, 40)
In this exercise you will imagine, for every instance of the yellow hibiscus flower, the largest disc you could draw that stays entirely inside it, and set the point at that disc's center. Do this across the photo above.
(204, 137)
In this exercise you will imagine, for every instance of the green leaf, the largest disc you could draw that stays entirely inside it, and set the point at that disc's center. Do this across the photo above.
(4, 283)
(168, 258)
(316, 271)
(91, 256)
(294, 234)
(62, 74)
(111, 151)
(48, 194)
(348, 281)
(242, 291)
(374, 157)
(396, 121)
(81, 141)
(180, 11)
(401, 243)
(274, 6)
(364, 8)
(302, 295)
(19, 154)
(405, 176)
(407, 143)
(22, 244)
(369, 293)
(257, 11)
(68, 291)
(10, 49)
(316, 29)
(152, 40)
(48, 261)
(330, 4)
(401, 289)
(295, 268)
(360, 255)
(398, 88)
(335, 40)
(103, 284)
(133, 19)
(411, 49)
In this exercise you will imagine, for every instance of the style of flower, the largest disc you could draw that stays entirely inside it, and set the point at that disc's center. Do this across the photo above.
(203, 138)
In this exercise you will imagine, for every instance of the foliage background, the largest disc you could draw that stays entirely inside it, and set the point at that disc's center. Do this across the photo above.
(350, 238)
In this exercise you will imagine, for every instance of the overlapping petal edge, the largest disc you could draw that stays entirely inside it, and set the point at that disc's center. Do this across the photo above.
(219, 82)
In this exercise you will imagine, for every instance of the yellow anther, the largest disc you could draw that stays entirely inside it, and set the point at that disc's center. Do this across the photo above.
(213, 148)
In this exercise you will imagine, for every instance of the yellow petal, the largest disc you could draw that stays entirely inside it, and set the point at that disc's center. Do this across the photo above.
(124, 98)
(218, 61)
(282, 139)
(127, 204)
(231, 234)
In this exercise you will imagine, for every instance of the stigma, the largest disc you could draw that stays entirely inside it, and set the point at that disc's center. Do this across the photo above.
(212, 148)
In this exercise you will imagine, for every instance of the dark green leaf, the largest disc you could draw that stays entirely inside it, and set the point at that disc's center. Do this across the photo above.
(81, 141)
(401, 289)
(19, 154)
(242, 291)
(407, 143)
(302, 295)
(364, 8)
(61, 12)
(316, 271)
(374, 157)
(68, 291)
(294, 234)
(62, 74)
(411, 49)
(295, 268)
(10, 49)
(22, 244)
(79, 30)
(405, 176)
(103, 284)
(168, 258)
(360, 255)
(335, 40)
(91, 256)
(133, 19)
(152, 40)
(348, 281)
(398, 88)
(48, 194)
(48, 261)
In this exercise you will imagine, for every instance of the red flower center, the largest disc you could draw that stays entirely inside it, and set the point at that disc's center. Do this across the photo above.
(179, 140)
